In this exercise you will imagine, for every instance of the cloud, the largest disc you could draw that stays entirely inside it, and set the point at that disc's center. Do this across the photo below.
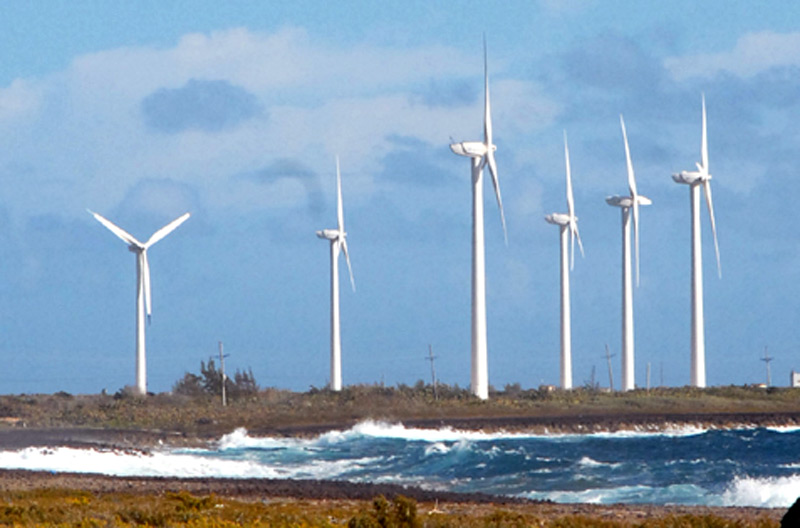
(210, 106)
(18, 100)
(413, 161)
(115, 121)
(612, 63)
(753, 53)
(293, 171)
(449, 93)
(159, 198)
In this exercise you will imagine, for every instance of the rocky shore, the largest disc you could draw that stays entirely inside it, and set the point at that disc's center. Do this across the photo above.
(265, 490)
(14, 438)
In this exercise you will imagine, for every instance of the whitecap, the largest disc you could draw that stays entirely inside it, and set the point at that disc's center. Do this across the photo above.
(590, 462)
(437, 448)
(783, 428)
(673, 494)
(127, 463)
(770, 492)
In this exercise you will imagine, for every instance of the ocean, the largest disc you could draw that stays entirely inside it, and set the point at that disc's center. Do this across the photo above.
(718, 467)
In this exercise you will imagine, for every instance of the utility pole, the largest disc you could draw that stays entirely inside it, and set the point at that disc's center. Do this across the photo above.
(594, 386)
(766, 359)
(222, 370)
(431, 358)
(610, 372)
(648, 376)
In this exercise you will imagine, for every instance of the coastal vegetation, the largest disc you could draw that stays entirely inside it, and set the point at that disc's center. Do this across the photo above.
(274, 411)
(67, 507)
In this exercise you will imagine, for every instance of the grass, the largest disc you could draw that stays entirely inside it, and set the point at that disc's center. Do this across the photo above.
(79, 508)
(270, 410)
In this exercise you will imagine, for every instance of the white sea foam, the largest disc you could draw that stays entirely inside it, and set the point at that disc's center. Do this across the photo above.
(173, 464)
(590, 462)
(125, 463)
(239, 439)
(669, 430)
(771, 492)
(437, 448)
(784, 428)
(674, 494)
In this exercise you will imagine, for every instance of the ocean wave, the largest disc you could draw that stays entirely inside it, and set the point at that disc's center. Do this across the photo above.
(674, 494)
(769, 492)
(127, 463)
(124, 463)
(590, 462)
(668, 431)
(783, 428)
(240, 439)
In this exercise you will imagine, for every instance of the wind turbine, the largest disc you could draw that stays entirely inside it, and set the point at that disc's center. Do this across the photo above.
(696, 179)
(481, 154)
(628, 204)
(338, 239)
(569, 232)
(143, 303)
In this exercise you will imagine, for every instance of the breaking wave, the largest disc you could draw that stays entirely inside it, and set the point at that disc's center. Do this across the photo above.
(746, 467)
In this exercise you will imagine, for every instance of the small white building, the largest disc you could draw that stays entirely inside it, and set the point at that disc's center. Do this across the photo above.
(795, 381)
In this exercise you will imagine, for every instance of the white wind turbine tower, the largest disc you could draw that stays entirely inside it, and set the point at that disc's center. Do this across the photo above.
(481, 154)
(338, 239)
(628, 204)
(569, 232)
(143, 304)
(696, 179)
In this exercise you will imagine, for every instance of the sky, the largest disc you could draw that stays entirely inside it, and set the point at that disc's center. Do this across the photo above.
(235, 111)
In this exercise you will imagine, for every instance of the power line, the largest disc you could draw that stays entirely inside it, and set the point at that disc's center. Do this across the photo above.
(608, 357)
(432, 358)
(766, 359)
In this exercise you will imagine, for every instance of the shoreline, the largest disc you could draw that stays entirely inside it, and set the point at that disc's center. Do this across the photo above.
(560, 424)
(298, 491)
(267, 491)
(14, 437)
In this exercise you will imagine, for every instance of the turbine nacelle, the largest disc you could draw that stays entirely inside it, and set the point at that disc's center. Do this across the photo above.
(627, 201)
(691, 177)
(471, 149)
(562, 219)
(331, 234)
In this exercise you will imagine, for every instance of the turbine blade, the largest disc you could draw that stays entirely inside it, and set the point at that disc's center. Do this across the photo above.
(636, 236)
(339, 208)
(574, 234)
(631, 175)
(634, 195)
(167, 229)
(496, 183)
(704, 143)
(570, 200)
(578, 236)
(571, 246)
(570, 206)
(145, 265)
(343, 245)
(121, 233)
(487, 111)
(710, 203)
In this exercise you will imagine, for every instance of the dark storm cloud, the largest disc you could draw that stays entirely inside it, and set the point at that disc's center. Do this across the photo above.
(287, 168)
(210, 106)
